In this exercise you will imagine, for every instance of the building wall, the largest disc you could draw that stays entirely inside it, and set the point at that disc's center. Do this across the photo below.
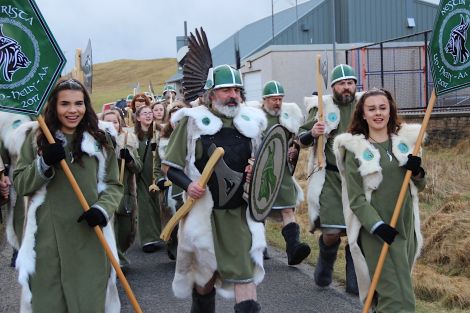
(444, 130)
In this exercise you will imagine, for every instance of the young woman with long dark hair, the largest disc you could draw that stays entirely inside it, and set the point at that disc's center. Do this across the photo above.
(62, 265)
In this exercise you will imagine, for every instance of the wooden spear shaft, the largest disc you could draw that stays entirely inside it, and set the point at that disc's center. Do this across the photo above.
(123, 161)
(98, 231)
(398, 206)
(320, 162)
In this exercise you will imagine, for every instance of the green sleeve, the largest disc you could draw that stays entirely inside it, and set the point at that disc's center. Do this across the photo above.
(311, 120)
(28, 177)
(157, 166)
(364, 211)
(177, 148)
(110, 198)
(136, 165)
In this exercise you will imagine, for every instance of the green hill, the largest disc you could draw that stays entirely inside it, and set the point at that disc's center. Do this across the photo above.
(115, 80)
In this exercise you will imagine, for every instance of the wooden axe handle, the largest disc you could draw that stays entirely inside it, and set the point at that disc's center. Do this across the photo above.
(186, 207)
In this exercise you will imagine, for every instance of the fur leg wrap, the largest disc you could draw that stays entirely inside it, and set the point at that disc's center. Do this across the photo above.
(203, 303)
(326, 259)
(351, 279)
(296, 251)
(247, 306)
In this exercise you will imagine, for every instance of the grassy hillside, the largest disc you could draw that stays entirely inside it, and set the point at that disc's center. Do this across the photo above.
(115, 80)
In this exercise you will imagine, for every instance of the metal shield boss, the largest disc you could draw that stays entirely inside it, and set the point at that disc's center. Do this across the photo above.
(268, 170)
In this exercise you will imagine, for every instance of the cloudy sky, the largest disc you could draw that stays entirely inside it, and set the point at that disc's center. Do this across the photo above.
(146, 29)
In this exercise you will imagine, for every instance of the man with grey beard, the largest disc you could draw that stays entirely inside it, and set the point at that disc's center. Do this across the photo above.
(290, 193)
(324, 185)
(219, 244)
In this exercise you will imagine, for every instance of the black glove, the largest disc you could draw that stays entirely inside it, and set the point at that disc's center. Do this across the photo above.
(126, 155)
(386, 232)
(161, 184)
(414, 165)
(53, 153)
(93, 217)
(153, 145)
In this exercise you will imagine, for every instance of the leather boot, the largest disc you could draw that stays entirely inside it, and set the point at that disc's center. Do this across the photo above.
(203, 303)
(247, 306)
(296, 251)
(351, 279)
(326, 259)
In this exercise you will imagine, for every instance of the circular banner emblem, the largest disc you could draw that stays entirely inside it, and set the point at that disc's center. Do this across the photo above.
(268, 170)
(30, 60)
(449, 48)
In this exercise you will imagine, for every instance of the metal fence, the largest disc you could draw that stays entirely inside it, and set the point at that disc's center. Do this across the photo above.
(400, 65)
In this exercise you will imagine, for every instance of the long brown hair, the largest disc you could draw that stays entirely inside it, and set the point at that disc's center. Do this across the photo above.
(359, 125)
(139, 132)
(139, 96)
(89, 122)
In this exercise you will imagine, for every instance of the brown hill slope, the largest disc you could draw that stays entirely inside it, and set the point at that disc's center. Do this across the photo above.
(115, 80)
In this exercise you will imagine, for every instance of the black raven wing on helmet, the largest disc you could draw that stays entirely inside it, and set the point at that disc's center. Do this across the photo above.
(197, 65)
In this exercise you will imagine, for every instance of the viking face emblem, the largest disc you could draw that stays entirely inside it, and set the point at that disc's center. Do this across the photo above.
(11, 56)
(456, 44)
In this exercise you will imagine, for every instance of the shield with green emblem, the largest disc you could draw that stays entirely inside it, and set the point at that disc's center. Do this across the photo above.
(449, 48)
(268, 170)
(30, 59)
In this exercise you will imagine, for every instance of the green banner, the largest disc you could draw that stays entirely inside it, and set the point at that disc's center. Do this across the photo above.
(30, 59)
(449, 49)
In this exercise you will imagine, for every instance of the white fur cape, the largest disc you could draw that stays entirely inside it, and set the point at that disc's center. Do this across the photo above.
(316, 180)
(291, 118)
(26, 260)
(402, 145)
(196, 262)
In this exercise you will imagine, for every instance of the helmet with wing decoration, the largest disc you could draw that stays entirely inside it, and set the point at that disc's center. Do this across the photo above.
(197, 65)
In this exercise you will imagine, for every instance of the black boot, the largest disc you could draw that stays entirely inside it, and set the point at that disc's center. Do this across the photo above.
(203, 303)
(326, 259)
(296, 251)
(247, 306)
(351, 279)
(13, 258)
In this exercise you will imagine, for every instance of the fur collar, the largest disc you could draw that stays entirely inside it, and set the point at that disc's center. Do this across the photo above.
(291, 116)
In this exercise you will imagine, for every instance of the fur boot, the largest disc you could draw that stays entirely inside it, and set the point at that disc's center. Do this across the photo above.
(351, 279)
(326, 259)
(296, 251)
(247, 306)
(203, 303)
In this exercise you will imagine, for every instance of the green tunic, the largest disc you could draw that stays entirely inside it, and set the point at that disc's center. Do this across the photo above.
(71, 269)
(394, 290)
(149, 210)
(125, 219)
(234, 262)
(287, 196)
(331, 208)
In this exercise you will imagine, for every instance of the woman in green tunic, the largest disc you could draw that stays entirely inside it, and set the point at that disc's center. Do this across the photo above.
(125, 221)
(149, 209)
(62, 265)
(373, 158)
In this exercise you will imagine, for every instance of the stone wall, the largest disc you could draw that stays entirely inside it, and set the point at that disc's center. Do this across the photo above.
(445, 130)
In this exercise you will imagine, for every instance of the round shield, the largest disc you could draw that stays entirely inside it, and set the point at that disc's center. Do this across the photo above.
(268, 171)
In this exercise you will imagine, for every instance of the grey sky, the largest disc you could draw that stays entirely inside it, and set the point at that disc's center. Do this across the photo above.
(145, 29)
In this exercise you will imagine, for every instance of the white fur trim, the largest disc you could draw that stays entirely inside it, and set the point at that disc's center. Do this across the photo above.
(291, 117)
(108, 127)
(199, 115)
(244, 121)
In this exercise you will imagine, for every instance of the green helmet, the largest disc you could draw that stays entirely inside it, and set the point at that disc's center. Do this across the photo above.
(223, 76)
(342, 72)
(169, 88)
(273, 88)
(129, 97)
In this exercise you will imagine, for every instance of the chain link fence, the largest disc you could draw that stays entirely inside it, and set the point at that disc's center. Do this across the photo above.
(401, 66)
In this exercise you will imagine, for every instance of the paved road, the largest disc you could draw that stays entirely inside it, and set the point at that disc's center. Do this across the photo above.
(285, 289)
